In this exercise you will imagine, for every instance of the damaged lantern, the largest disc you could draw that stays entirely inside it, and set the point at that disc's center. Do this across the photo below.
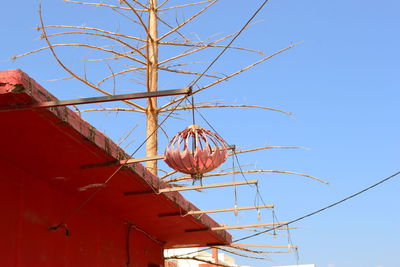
(196, 151)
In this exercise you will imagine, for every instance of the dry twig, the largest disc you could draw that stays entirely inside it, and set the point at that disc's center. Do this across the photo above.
(229, 76)
(181, 6)
(225, 106)
(184, 178)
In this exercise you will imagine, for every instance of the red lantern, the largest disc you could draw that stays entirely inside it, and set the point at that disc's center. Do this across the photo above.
(196, 151)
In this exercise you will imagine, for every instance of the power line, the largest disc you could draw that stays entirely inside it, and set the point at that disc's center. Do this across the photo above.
(325, 208)
(230, 43)
(314, 212)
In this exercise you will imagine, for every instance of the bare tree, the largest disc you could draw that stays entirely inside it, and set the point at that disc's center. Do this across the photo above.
(139, 54)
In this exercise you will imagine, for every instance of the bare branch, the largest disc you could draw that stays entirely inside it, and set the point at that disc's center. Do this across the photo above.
(120, 109)
(187, 21)
(262, 148)
(112, 73)
(101, 4)
(105, 36)
(210, 45)
(194, 49)
(114, 57)
(50, 46)
(137, 15)
(60, 79)
(232, 251)
(184, 178)
(226, 106)
(197, 259)
(229, 76)
(250, 250)
(92, 29)
(82, 45)
(142, 5)
(168, 174)
(185, 185)
(171, 27)
(113, 109)
(183, 64)
(266, 227)
(246, 68)
(122, 139)
(184, 54)
(163, 130)
(162, 4)
(119, 73)
(187, 72)
(192, 4)
(126, 16)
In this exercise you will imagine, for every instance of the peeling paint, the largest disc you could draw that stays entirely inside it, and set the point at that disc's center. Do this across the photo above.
(92, 133)
(18, 88)
(107, 146)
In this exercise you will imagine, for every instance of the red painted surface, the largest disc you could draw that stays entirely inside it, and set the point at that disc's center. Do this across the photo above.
(29, 206)
(41, 154)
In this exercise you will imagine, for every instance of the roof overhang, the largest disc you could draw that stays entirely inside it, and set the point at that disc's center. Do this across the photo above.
(54, 144)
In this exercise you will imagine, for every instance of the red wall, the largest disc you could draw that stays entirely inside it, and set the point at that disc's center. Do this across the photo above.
(30, 206)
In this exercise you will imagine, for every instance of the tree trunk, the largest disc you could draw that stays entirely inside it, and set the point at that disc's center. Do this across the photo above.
(152, 84)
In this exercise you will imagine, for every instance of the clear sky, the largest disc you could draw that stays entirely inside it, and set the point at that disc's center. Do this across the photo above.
(341, 84)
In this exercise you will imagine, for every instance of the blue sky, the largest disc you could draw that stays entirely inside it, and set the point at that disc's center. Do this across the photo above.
(341, 83)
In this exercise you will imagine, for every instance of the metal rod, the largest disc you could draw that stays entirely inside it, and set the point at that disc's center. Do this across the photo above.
(100, 99)
(175, 189)
(262, 246)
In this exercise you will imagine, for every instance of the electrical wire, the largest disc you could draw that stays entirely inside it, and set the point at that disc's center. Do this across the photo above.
(315, 212)
(325, 208)
(230, 43)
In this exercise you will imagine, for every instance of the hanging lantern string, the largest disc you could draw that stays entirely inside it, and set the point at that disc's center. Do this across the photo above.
(193, 123)
(234, 152)
(234, 188)
(193, 107)
(290, 242)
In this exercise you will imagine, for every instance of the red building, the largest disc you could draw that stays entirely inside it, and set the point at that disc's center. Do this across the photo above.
(43, 173)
